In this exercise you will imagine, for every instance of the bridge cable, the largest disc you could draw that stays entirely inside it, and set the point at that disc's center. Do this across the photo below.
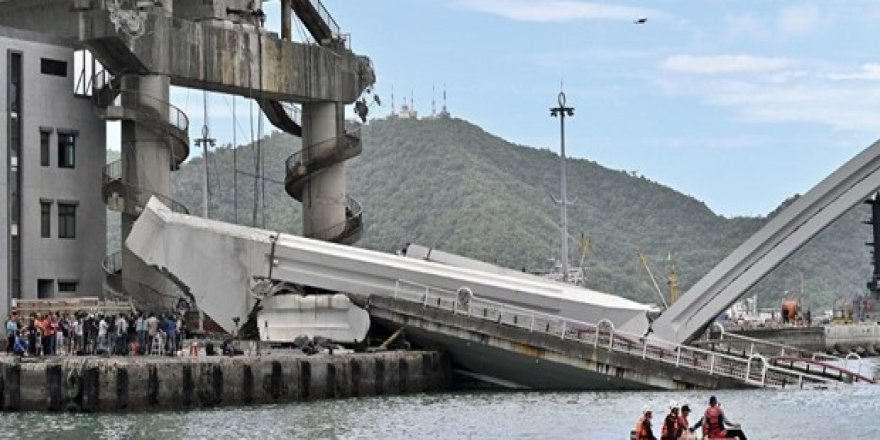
(234, 163)
(260, 160)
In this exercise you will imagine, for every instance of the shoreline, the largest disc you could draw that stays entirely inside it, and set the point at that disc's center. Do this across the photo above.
(93, 384)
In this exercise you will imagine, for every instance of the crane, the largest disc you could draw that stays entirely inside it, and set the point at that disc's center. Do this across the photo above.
(672, 282)
(585, 246)
(651, 275)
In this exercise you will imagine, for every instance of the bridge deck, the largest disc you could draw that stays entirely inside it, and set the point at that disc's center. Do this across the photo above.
(539, 351)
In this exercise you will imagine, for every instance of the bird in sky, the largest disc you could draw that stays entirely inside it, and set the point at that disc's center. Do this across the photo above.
(642, 20)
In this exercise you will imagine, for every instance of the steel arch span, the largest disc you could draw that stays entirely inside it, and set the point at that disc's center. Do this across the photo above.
(849, 185)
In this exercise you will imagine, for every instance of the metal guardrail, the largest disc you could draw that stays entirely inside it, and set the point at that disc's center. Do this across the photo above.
(754, 343)
(754, 370)
(136, 292)
(346, 150)
(328, 19)
(293, 112)
(68, 305)
(300, 168)
(101, 80)
(784, 351)
(112, 263)
(106, 93)
(154, 107)
(353, 218)
(112, 175)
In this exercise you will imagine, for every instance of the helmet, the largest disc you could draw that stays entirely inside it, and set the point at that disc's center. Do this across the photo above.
(673, 405)
(646, 409)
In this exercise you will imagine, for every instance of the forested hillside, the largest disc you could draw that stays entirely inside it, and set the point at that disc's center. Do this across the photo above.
(449, 183)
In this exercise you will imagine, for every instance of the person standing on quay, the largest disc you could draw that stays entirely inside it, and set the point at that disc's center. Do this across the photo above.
(11, 332)
(171, 333)
(140, 327)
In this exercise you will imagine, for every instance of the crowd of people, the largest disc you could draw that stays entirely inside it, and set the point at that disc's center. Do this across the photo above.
(54, 334)
(676, 426)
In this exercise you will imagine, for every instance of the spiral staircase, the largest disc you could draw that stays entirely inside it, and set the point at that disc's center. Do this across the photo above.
(306, 163)
(312, 160)
(111, 102)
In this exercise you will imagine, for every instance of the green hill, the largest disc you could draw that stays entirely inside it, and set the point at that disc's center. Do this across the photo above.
(448, 182)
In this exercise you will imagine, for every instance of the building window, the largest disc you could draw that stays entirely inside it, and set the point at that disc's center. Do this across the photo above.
(45, 219)
(44, 289)
(66, 220)
(44, 147)
(15, 266)
(66, 150)
(53, 67)
(13, 94)
(67, 286)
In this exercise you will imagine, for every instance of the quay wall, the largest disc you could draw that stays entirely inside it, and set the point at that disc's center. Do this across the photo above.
(856, 337)
(806, 338)
(862, 338)
(118, 384)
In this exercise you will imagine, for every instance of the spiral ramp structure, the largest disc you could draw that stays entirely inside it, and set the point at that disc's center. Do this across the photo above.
(168, 126)
(313, 173)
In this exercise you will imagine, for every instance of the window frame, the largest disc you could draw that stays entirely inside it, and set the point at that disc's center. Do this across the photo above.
(63, 286)
(51, 291)
(63, 136)
(45, 146)
(67, 220)
(46, 218)
(53, 67)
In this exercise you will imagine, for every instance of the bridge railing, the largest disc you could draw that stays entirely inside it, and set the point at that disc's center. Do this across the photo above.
(755, 370)
(328, 19)
(776, 351)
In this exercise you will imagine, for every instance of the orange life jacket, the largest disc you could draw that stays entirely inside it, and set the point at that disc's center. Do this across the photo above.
(643, 429)
(670, 428)
(713, 422)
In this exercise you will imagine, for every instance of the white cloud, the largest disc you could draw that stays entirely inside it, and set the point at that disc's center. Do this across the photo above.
(806, 98)
(868, 72)
(557, 10)
(718, 64)
(799, 20)
(792, 21)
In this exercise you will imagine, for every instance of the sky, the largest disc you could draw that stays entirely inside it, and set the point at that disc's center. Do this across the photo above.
(740, 104)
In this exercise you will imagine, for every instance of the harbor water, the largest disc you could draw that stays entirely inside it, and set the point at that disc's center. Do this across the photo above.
(843, 412)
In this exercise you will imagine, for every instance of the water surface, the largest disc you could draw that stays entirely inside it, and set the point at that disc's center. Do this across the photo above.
(846, 412)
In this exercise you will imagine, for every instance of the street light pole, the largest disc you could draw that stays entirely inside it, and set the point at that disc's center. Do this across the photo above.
(205, 142)
(562, 111)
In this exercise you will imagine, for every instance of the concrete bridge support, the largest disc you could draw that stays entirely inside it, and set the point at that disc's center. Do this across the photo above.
(146, 165)
(323, 197)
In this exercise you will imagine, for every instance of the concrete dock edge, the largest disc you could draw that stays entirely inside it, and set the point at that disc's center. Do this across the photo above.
(92, 384)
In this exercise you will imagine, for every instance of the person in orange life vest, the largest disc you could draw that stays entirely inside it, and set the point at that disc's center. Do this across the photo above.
(714, 423)
(643, 429)
(671, 428)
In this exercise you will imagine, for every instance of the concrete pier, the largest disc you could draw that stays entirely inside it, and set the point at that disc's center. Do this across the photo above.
(863, 339)
(90, 384)
(323, 197)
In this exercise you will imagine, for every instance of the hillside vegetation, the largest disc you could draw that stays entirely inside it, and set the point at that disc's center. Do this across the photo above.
(449, 183)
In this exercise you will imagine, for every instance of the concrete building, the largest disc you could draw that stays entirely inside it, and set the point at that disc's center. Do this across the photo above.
(54, 220)
(217, 45)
